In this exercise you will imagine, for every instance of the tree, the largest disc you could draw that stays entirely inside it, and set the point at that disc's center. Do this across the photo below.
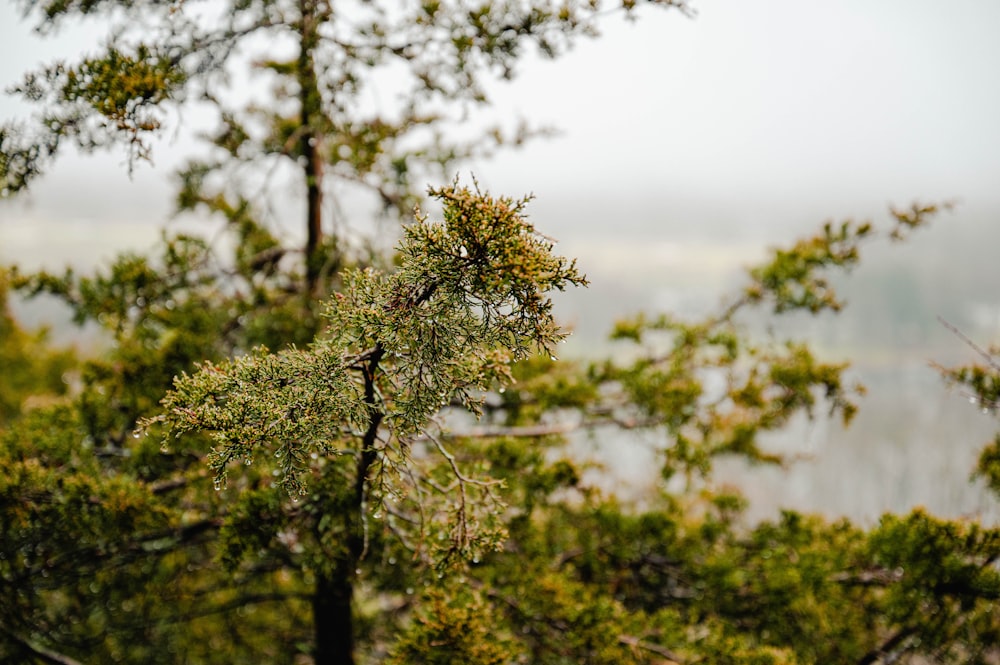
(578, 577)
(319, 61)
(679, 580)
(421, 535)
(189, 303)
(354, 410)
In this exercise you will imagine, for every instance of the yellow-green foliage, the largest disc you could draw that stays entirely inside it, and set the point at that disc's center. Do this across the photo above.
(31, 368)
(454, 627)
(371, 519)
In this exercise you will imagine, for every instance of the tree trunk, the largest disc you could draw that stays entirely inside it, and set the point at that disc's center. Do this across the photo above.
(332, 619)
(314, 216)
(311, 102)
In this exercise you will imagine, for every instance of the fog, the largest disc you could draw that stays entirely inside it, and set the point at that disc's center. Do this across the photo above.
(686, 147)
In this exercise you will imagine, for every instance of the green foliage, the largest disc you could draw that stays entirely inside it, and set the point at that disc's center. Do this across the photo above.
(372, 519)
(166, 313)
(105, 564)
(63, 526)
(30, 367)
(111, 98)
(945, 585)
(468, 299)
(455, 629)
(114, 550)
(988, 466)
(982, 379)
(791, 278)
(710, 387)
(162, 593)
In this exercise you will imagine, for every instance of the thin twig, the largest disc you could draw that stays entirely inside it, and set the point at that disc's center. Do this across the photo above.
(632, 641)
(986, 355)
(529, 431)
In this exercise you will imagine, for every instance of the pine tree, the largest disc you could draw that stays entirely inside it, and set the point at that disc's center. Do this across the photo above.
(320, 62)
(356, 409)
(365, 516)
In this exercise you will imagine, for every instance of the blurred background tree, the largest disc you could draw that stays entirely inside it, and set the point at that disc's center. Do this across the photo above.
(289, 84)
(286, 84)
(31, 368)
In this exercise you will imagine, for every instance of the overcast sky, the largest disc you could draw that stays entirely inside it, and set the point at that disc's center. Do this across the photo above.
(752, 116)
(830, 106)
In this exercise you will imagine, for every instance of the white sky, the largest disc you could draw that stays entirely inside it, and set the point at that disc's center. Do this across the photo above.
(753, 118)
(803, 101)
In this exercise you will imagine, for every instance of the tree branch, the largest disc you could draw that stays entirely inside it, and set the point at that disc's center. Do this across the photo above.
(632, 641)
(528, 431)
(983, 353)
(369, 454)
(894, 641)
(42, 653)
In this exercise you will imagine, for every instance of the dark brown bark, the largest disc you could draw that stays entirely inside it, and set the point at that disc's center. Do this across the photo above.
(332, 619)
(886, 647)
(311, 110)
(314, 213)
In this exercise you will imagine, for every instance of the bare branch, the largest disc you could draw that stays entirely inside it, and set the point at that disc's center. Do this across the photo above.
(983, 353)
